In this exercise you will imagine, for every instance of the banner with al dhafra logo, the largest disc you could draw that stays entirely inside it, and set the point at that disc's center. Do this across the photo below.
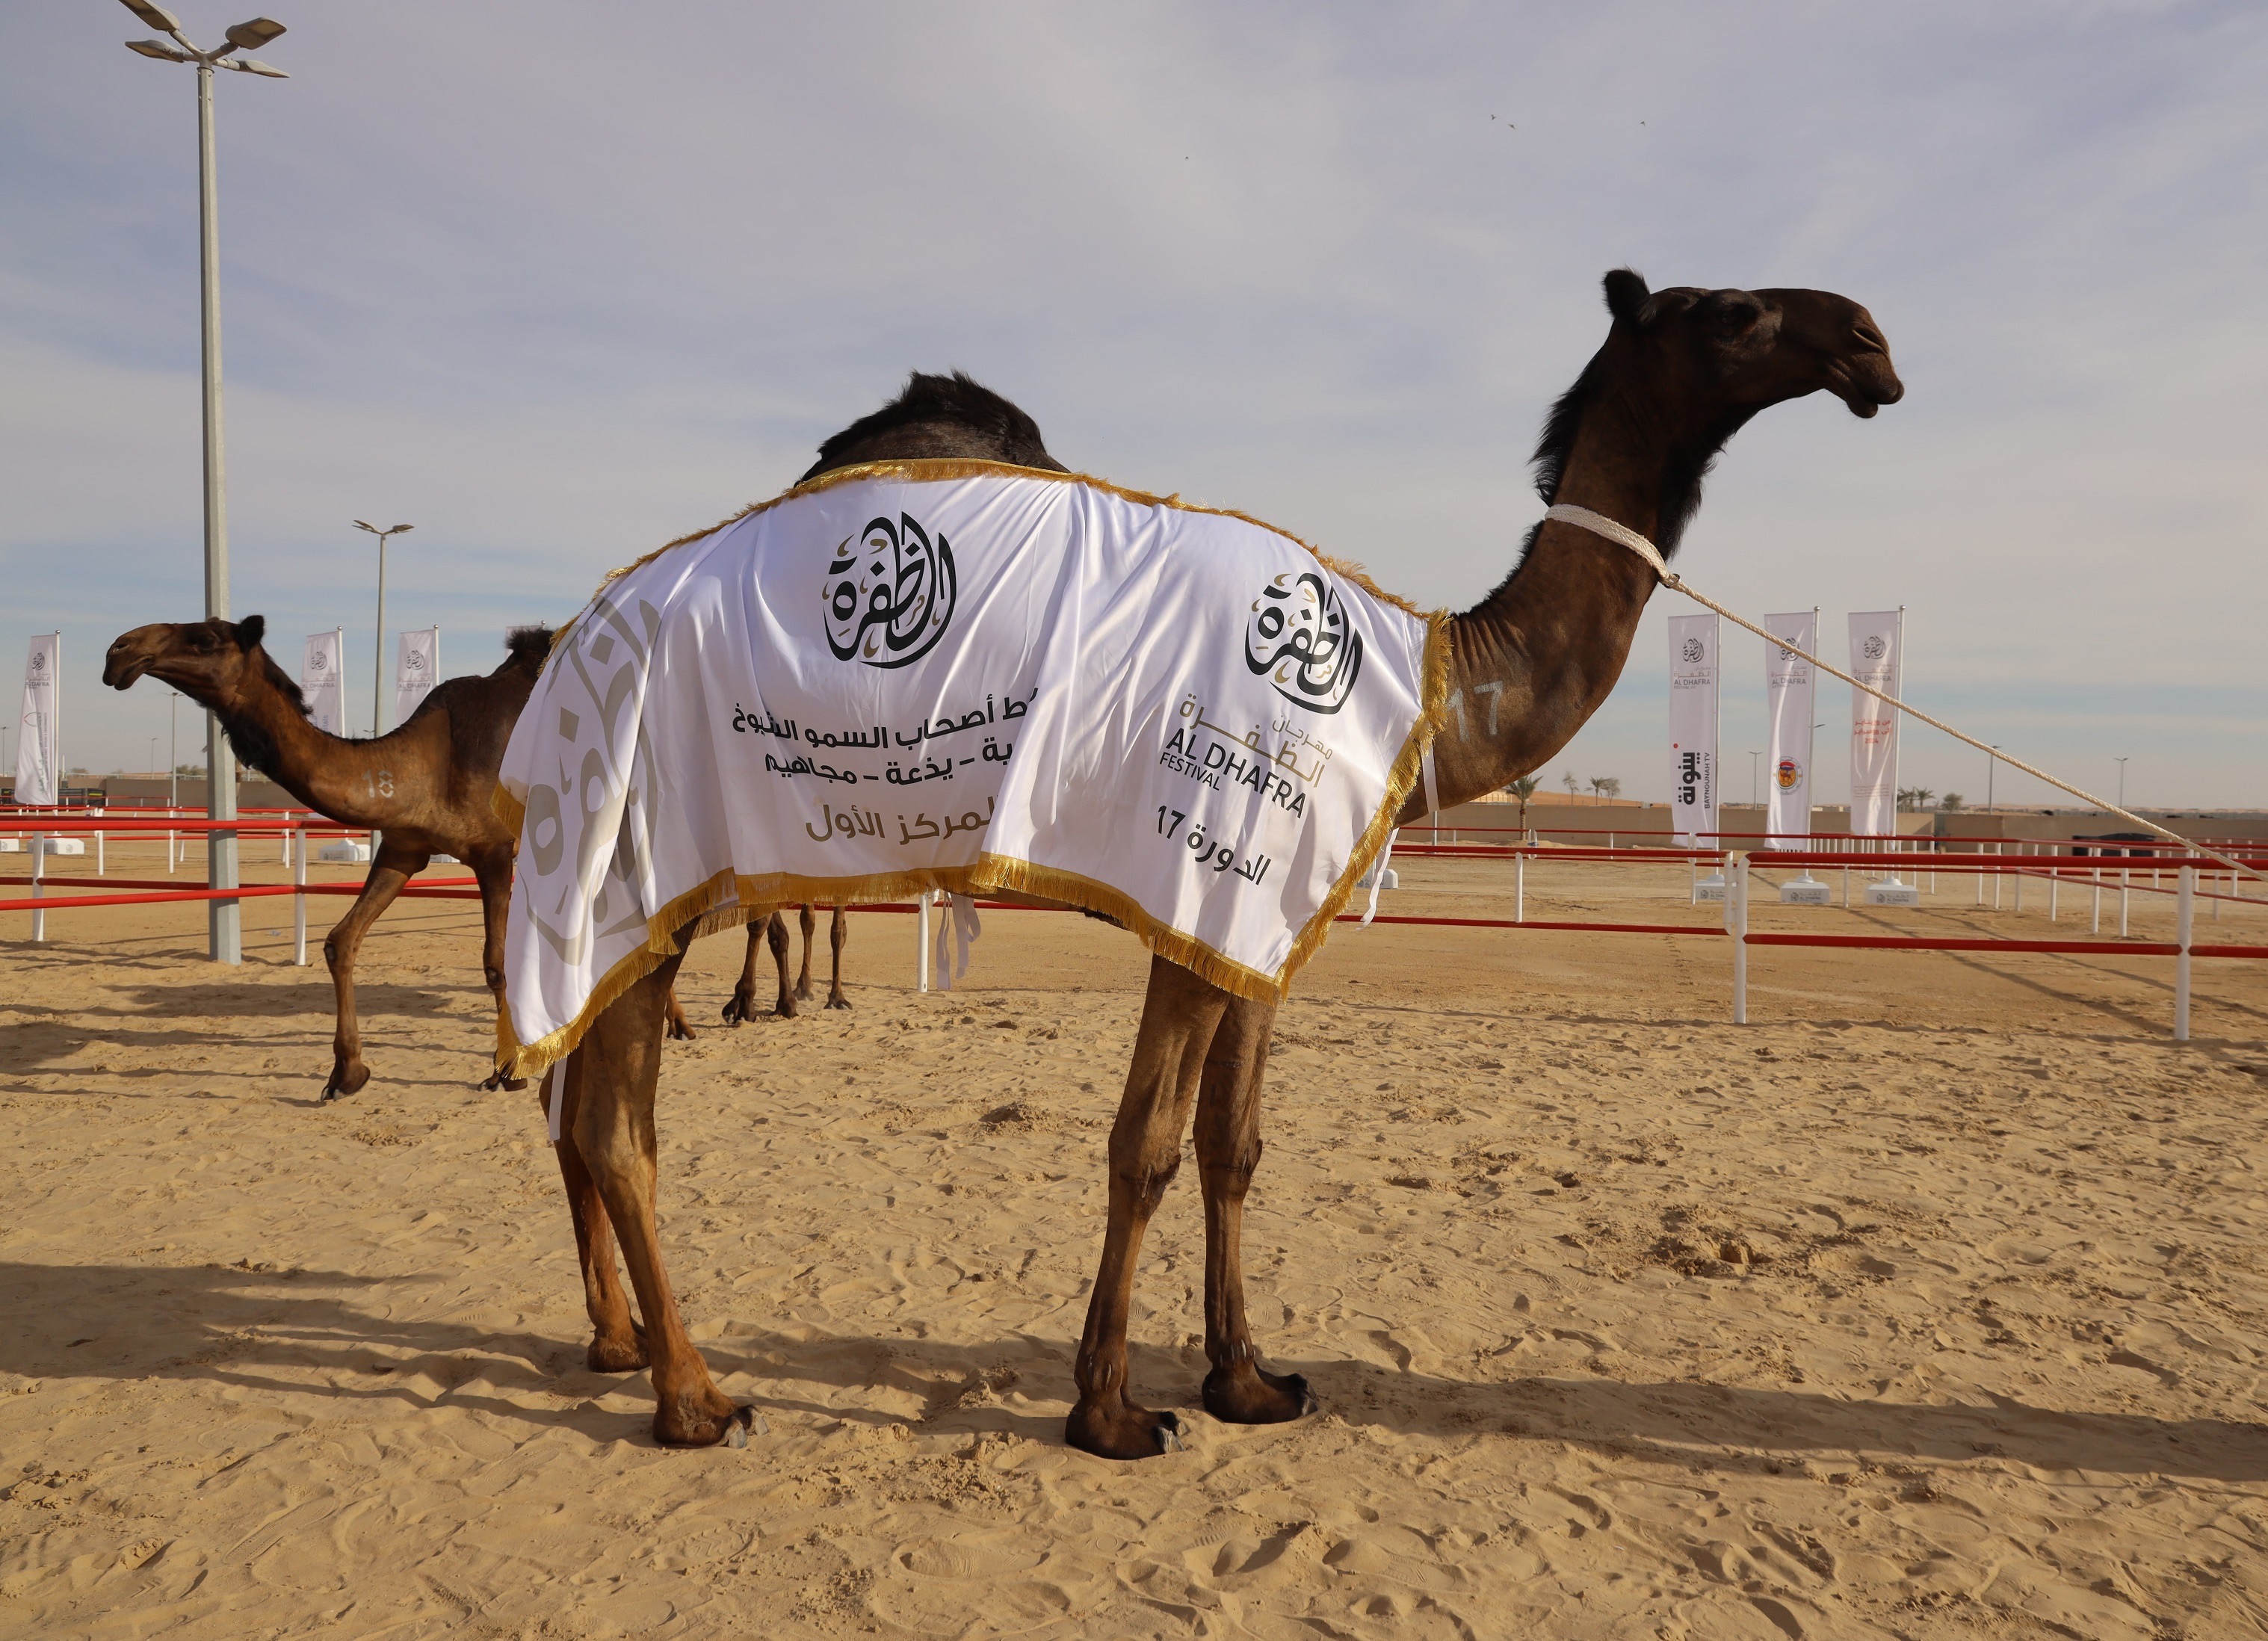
(1791, 686)
(1693, 729)
(966, 676)
(1877, 660)
(38, 752)
(323, 680)
(416, 669)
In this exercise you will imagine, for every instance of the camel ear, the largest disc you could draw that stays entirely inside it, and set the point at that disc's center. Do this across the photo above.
(1627, 297)
(250, 630)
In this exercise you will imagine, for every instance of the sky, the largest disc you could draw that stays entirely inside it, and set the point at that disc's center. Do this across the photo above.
(558, 283)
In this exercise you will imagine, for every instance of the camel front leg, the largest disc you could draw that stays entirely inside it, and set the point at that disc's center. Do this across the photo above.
(679, 1028)
(388, 873)
(803, 980)
(1179, 1018)
(613, 1134)
(836, 935)
(492, 867)
(1237, 1391)
(618, 1343)
(741, 1005)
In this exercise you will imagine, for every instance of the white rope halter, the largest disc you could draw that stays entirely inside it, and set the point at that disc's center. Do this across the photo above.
(1599, 524)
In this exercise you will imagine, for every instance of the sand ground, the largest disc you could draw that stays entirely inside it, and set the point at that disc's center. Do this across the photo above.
(1929, 1304)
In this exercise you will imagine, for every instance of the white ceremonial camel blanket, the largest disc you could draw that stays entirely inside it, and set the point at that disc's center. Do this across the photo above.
(966, 676)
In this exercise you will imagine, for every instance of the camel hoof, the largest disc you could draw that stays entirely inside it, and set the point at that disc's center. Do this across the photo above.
(785, 1010)
(705, 1430)
(345, 1080)
(1245, 1395)
(498, 1080)
(679, 1032)
(804, 993)
(738, 1011)
(838, 1003)
(1125, 1433)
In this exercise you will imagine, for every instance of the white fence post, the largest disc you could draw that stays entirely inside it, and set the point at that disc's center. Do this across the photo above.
(2184, 921)
(101, 855)
(920, 961)
(39, 869)
(1736, 925)
(296, 841)
(2124, 895)
(1519, 888)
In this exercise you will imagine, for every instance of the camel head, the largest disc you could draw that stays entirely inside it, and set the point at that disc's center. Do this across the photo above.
(209, 661)
(1720, 355)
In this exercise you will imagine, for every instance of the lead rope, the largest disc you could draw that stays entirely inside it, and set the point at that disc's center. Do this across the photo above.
(1599, 524)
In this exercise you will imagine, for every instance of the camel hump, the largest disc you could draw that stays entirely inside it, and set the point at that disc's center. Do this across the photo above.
(527, 645)
(940, 416)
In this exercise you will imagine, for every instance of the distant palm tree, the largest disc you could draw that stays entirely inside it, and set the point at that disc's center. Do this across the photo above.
(1611, 786)
(1569, 780)
(1951, 803)
(1524, 789)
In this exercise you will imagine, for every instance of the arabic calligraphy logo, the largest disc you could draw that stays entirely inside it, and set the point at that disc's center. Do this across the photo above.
(1300, 639)
(1789, 774)
(318, 662)
(1875, 647)
(1694, 649)
(38, 660)
(415, 661)
(888, 593)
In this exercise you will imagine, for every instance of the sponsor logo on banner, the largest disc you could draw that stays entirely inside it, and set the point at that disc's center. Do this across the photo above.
(1298, 639)
(318, 662)
(1790, 688)
(889, 598)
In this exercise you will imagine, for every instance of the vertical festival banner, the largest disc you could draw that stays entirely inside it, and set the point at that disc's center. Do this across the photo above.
(1877, 659)
(38, 765)
(416, 669)
(1790, 687)
(1693, 729)
(323, 680)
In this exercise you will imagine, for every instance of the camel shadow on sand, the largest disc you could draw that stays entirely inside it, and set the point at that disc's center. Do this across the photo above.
(235, 1327)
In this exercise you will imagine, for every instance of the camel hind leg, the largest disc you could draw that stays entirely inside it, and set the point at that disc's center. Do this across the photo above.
(837, 933)
(740, 1007)
(618, 1343)
(492, 867)
(1237, 1391)
(614, 1133)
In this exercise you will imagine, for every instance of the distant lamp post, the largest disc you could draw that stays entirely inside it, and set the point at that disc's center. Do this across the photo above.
(377, 666)
(2122, 782)
(1992, 763)
(224, 927)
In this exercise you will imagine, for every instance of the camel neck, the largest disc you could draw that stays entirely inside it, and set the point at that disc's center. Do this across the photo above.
(350, 781)
(1535, 659)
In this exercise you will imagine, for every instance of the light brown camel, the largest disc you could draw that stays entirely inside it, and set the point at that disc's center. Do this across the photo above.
(424, 788)
(1681, 371)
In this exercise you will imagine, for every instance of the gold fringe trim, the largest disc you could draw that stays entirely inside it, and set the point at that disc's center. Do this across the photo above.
(508, 810)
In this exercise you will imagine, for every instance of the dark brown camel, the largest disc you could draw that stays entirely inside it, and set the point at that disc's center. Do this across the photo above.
(1681, 371)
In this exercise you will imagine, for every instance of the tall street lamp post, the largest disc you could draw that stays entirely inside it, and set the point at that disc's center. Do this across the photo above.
(377, 666)
(224, 928)
(2122, 782)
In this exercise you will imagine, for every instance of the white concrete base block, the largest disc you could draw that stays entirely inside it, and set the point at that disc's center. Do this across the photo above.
(62, 846)
(1709, 888)
(349, 854)
(13, 846)
(1393, 879)
(1805, 891)
(1893, 894)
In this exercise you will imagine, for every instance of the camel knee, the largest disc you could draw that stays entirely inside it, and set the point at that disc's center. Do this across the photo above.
(1145, 1180)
